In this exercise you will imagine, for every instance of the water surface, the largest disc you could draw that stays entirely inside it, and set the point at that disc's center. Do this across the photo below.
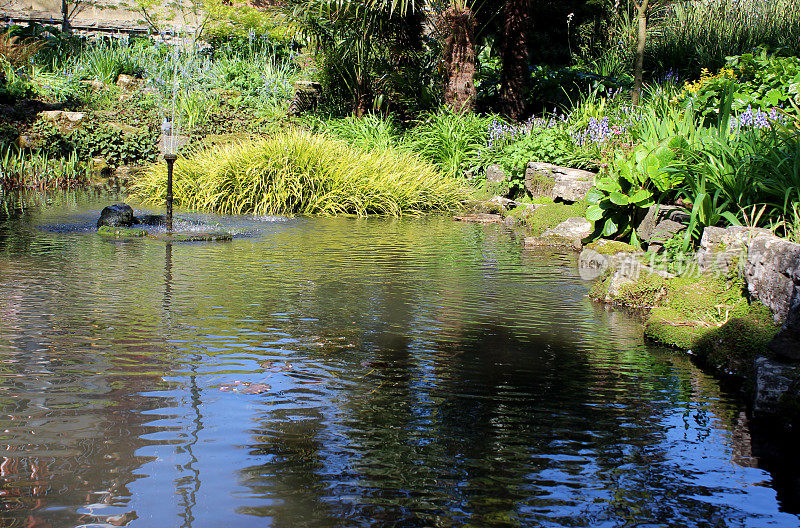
(346, 373)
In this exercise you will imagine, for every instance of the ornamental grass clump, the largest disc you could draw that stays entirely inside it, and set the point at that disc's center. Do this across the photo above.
(296, 172)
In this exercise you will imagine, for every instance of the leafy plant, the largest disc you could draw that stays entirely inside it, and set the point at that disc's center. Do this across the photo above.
(296, 172)
(450, 140)
(636, 181)
(117, 144)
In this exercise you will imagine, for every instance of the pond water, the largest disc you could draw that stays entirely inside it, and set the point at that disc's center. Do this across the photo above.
(346, 373)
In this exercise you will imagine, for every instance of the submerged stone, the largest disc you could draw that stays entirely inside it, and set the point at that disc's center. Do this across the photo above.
(194, 237)
(120, 232)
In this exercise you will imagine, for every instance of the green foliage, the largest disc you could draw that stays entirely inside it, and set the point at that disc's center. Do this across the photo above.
(750, 82)
(367, 132)
(690, 35)
(450, 140)
(118, 145)
(553, 88)
(549, 146)
(38, 171)
(296, 172)
(621, 196)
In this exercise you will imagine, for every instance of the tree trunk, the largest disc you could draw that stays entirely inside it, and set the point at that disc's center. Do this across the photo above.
(515, 74)
(641, 11)
(459, 57)
(64, 16)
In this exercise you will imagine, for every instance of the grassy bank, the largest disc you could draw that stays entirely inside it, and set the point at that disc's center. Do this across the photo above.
(297, 172)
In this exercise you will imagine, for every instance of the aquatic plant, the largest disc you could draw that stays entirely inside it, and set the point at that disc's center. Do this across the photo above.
(296, 172)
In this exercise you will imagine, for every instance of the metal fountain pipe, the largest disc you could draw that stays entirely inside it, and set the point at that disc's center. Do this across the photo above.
(170, 159)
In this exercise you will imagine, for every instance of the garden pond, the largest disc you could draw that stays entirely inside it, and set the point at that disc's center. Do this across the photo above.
(345, 372)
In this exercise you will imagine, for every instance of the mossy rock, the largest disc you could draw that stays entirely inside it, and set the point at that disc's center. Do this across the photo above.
(550, 214)
(121, 232)
(611, 247)
(194, 237)
(670, 327)
(733, 347)
(713, 319)
(646, 291)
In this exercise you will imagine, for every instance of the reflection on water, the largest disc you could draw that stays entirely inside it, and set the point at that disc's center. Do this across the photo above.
(341, 373)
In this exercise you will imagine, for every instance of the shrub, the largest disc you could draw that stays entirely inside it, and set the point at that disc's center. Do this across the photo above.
(296, 172)
(452, 141)
(368, 132)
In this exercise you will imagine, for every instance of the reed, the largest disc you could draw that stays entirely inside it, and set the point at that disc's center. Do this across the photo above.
(296, 172)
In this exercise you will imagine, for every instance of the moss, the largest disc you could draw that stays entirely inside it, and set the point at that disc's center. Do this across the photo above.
(647, 291)
(712, 318)
(611, 247)
(733, 347)
(669, 326)
(552, 214)
(120, 232)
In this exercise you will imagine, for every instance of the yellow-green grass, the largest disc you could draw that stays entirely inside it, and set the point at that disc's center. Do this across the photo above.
(297, 172)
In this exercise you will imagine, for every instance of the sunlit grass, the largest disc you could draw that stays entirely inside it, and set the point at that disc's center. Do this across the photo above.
(296, 172)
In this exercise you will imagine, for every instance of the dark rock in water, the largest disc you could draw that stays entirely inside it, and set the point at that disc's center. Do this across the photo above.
(152, 220)
(117, 215)
(786, 345)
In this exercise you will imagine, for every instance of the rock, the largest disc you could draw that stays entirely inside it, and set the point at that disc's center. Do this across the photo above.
(117, 215)
(572, 228)
(602, 254)
(772, 274)
(664, 231)
(94, 85)
(786, 345)
(125, 129)
(480, 218)
(773, 382)
(64, 121)
(99, 173)
(724, 249)
(151, 220)
(495, 174)
(658, 213)
(560, 183)
(29, 141)
(129, 83)
(553, 241)
(306, 97)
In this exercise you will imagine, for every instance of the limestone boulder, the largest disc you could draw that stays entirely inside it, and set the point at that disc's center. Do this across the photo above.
(646, 230)
(559, 183)
(786, 345)
(495, 174)
(552, 241)
(775, 382)
(575, 228)
(64, 121)
(772, 274)
(129, 83)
